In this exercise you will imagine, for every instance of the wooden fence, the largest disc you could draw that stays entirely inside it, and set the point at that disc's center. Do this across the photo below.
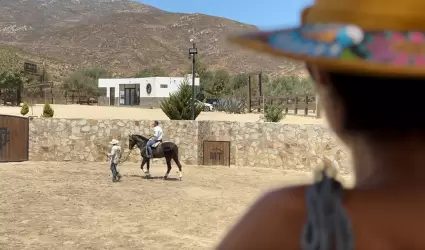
(300, 105)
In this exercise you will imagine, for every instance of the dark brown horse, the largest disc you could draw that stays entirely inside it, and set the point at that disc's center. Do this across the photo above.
(167, 150)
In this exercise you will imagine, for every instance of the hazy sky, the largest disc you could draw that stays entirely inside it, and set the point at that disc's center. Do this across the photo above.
(265, 13)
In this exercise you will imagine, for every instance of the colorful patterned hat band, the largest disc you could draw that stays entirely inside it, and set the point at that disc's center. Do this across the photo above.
(345, 47)
(349, 42)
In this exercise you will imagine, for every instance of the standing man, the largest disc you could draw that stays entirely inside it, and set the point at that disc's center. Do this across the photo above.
(114, 158)
(157, 136)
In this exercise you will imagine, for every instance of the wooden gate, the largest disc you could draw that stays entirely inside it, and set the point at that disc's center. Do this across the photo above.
(14, 138)
(216, 153)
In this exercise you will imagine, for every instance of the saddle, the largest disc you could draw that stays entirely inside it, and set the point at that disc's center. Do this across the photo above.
(157, 144)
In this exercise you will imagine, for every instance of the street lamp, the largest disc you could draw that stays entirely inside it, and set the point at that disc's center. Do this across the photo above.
(192, 53)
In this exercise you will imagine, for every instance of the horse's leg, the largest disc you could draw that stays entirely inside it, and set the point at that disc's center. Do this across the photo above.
(144, 161)
(176, 160)
(148, 166)
(168, 161)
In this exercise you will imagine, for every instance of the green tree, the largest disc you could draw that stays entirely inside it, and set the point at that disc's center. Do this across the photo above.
(11, 79)
(47, 111)
(239, 81)
(179, 105)
(289, 85)
(85, 81)
(219, 83)
(150, 72)
(25, 109)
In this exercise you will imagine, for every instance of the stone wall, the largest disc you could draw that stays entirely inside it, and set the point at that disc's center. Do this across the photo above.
(271, 145)
(87, 140)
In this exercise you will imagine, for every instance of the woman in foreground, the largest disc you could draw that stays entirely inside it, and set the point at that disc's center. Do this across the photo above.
(368, 62)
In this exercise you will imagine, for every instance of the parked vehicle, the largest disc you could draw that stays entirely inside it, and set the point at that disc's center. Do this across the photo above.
(212, 101)
(207, 106)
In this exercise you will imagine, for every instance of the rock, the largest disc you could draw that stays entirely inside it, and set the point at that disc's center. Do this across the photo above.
(85, 129)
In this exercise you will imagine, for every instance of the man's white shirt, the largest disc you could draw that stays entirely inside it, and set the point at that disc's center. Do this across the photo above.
(158, 133)
(115, 154)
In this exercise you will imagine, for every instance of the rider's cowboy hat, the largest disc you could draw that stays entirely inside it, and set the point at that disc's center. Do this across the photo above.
(370, 36)
(114, 142)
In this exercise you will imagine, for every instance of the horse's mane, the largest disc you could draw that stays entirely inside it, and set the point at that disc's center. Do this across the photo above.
(140, 137)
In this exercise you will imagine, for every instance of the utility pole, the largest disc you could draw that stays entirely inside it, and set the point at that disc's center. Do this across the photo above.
(192, 53)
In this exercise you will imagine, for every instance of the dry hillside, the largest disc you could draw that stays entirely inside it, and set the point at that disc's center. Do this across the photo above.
(124, 36)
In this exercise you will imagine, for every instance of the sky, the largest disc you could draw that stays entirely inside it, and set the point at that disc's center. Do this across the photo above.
(264, 13)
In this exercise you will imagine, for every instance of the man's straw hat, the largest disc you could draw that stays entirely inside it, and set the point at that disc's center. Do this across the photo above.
(114, 142)
(369, 36)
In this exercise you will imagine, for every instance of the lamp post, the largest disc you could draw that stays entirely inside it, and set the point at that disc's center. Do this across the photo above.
(192, 52)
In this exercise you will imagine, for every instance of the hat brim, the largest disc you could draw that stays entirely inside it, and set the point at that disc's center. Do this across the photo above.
(336, 47)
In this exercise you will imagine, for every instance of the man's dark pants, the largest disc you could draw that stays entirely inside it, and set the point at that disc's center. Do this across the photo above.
(149, 146)
(115, 173)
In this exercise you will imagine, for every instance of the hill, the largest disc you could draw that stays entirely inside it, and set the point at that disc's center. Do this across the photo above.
(125, 36)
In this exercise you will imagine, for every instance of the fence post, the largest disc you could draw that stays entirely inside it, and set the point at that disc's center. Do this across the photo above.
(296, 105)
(318, 115)
(249, 94)
(260, 91)
(286, 106)
(306, 105)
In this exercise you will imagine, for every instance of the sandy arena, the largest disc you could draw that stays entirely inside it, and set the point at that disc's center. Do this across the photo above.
(107, 112)
(51, 205)
(57, 205)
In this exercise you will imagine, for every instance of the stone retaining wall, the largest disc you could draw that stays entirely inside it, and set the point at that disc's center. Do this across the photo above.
(270, 145)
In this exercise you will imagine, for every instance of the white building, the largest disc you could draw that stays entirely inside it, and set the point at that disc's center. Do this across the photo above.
(133, 91)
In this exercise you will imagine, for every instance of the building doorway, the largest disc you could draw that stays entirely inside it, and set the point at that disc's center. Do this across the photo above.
(131, 97)
(112, 96)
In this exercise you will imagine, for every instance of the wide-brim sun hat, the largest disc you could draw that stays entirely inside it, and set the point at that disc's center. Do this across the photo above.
(371, 36)
(114, 141)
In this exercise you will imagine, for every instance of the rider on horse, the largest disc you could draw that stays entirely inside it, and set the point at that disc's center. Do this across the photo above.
(157, 136)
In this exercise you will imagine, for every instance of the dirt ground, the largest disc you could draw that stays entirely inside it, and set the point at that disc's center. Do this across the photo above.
(57, 205)
(107, 112)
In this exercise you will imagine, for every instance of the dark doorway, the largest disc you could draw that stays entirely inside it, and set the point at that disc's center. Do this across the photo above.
(130, 97)
(112, 96)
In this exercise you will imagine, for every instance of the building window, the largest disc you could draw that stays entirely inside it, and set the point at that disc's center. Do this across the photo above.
(163, 86)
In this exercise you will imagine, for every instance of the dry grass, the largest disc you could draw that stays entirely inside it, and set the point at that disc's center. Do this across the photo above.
(107, 112)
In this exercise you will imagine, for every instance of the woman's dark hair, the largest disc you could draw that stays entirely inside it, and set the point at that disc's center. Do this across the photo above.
(378, 105)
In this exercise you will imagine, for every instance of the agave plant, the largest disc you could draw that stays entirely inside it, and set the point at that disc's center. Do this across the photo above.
(221, 105)
(235, 106)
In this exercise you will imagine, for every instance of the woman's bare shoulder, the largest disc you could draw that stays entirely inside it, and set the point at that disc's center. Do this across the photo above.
(274, 221)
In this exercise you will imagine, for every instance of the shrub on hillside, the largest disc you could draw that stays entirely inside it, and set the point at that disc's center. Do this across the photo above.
(179, 105)
(25, 109)
(273, 113)
(47, 111)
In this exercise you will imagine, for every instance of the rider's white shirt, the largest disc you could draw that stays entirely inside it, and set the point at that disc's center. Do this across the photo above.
(157, 133)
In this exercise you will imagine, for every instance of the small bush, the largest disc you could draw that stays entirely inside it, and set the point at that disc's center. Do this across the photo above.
(24, 109)
(179, 105)
(47, 111)
(273, 113)
(221, 105)
(231, 106)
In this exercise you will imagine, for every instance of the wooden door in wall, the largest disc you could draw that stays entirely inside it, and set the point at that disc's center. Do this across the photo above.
(216, 153)
(14, 138)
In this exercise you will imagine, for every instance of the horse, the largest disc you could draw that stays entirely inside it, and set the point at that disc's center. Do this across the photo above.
(166, 149)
